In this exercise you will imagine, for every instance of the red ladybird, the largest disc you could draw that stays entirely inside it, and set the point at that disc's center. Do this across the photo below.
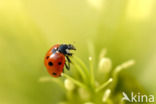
(56, 57)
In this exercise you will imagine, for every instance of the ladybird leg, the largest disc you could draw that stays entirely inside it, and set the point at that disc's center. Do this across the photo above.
(67, 67)
(69, 54)
(69, 61)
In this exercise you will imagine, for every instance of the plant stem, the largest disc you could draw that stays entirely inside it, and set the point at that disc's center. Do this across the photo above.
(92, 79)
(47, 79)
(80, 71)
(81, 63)
(103, 85)
(75, 81)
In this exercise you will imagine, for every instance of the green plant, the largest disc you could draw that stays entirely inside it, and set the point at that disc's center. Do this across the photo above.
(90, 85)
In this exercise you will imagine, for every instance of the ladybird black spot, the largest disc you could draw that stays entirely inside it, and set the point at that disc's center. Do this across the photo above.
(50, 64)
(54, 73)
(59, 63)
(47, 57)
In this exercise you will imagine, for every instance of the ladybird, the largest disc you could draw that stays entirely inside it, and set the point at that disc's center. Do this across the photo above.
(58, 57)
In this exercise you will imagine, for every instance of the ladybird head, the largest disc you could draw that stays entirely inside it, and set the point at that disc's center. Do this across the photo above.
(65, 49)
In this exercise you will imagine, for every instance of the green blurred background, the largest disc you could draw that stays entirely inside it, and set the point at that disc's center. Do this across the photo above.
(28, 28)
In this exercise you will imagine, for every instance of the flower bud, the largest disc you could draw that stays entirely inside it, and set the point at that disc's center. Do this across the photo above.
(124, 65)
(105, 65)
(106, 95)
(88, 103)
(90, 58)
(69, 85)
(83, 94)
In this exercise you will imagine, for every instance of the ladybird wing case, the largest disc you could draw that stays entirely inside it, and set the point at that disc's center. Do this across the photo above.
(49, 53)
(54, 62)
